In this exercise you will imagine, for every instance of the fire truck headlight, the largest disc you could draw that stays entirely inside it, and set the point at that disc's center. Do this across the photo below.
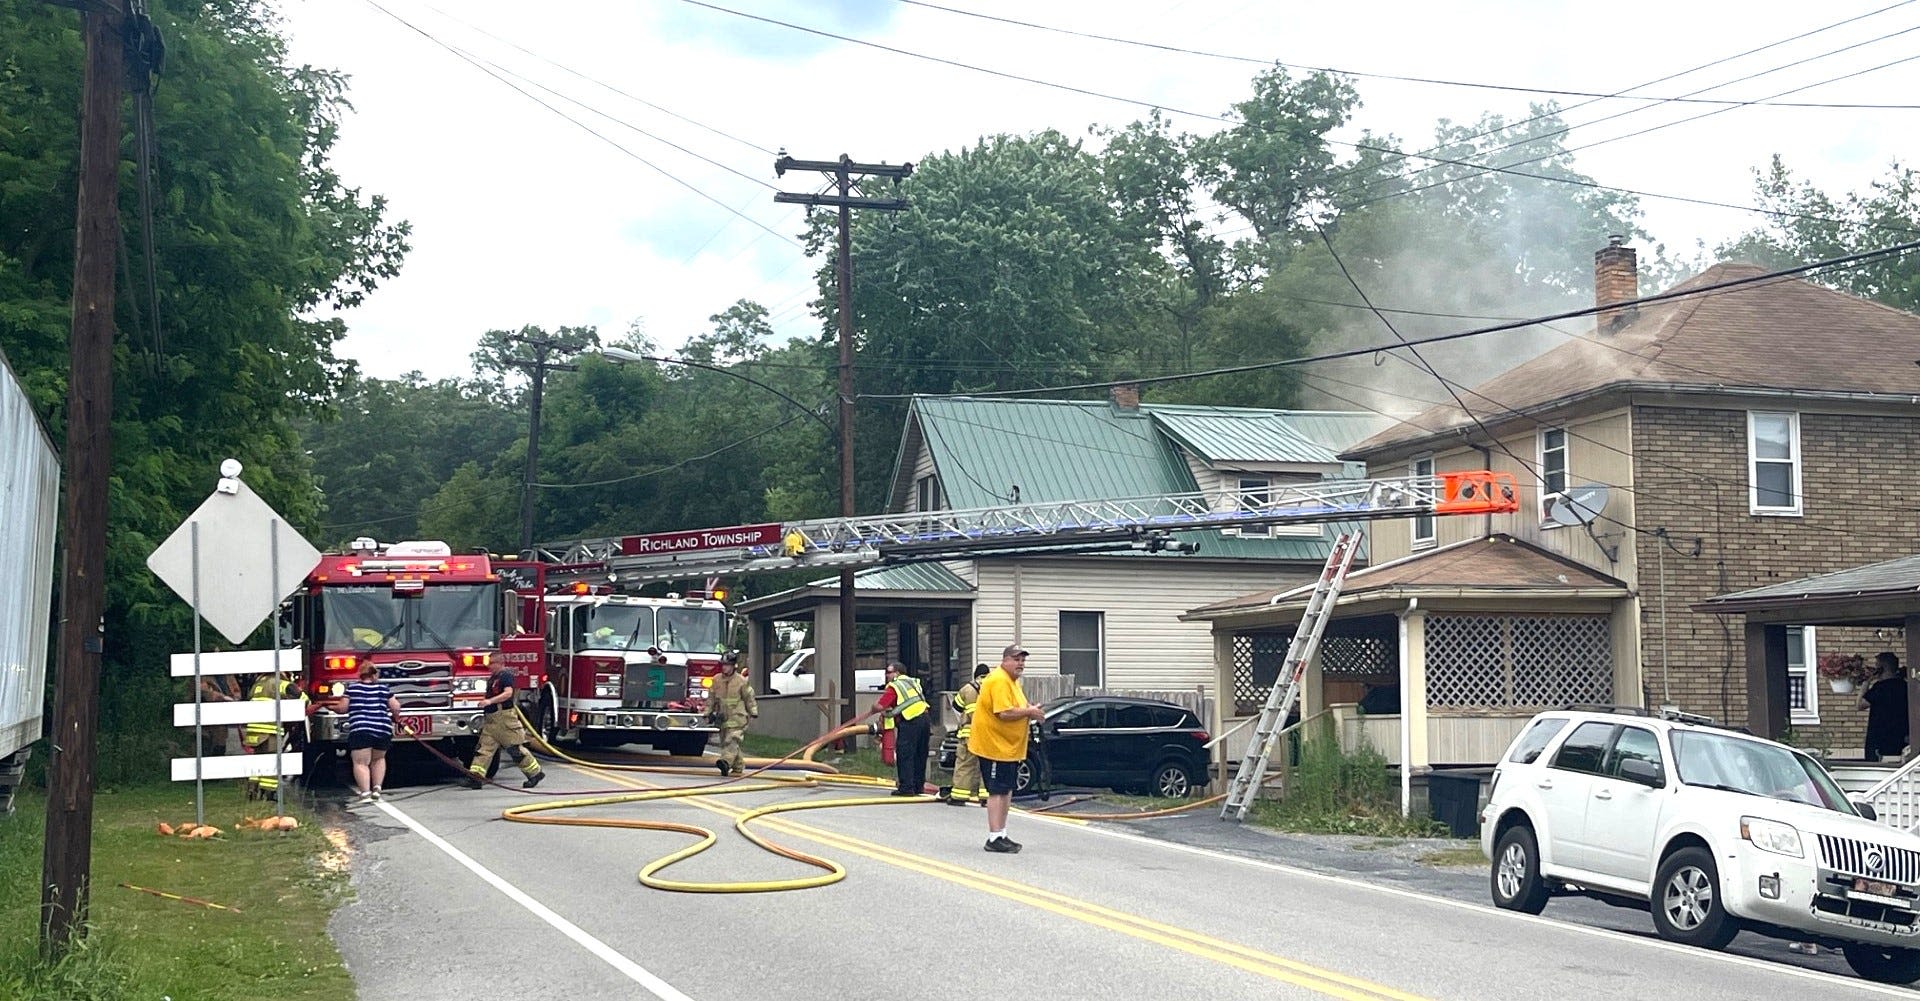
(706, 682)
(339, 689)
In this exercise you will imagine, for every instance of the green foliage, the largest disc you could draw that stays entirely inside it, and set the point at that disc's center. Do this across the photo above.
(1810, 225)
(1333, 791)
(253, 233)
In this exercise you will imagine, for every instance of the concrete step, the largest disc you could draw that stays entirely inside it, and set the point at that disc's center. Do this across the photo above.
(1856, 777)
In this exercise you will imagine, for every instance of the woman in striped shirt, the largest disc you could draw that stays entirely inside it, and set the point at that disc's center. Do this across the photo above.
(371, 711)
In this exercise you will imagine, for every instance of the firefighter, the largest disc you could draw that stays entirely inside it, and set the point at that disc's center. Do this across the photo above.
(732, 706)
(905, 706)
(967, 787)
(265, 737)
(502, 729)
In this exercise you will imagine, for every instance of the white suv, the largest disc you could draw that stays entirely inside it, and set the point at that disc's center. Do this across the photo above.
(1715, 831)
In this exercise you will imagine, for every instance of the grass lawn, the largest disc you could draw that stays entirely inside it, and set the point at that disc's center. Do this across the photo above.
(285, 885)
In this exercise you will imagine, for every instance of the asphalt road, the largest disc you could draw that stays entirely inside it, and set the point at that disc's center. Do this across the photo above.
(454, 903)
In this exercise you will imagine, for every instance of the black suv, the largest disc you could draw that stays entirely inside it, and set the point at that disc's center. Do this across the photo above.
(1128, 745)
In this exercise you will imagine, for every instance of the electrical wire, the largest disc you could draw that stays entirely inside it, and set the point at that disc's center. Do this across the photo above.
(643, 474)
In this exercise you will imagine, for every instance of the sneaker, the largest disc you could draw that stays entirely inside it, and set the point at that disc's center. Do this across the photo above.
(959, 802)
(359, 798)
(1002, 846)
(533, 780)
(376, 794)
(902, 792)
(1016, 845)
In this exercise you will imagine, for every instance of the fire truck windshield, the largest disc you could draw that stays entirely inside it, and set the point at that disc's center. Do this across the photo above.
(615, 627)
(443, 617)
(692, 630)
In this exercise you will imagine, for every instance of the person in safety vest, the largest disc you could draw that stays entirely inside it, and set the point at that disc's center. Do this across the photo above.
(502, 728)
(968, 788)
(732, 705)
(266, 738)
(904, 705)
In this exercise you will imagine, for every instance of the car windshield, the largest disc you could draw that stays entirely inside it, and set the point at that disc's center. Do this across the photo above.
(1754, 767)
(611, 627)
(692, 630)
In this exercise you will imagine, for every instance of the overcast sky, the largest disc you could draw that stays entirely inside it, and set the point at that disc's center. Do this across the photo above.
(520, 216)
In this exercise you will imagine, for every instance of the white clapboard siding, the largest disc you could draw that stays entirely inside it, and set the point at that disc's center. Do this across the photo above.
(249, 711)
(235, 662)
(1145, 645)
(235, 766)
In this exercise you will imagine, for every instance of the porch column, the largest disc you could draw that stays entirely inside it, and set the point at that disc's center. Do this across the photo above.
(1767, 679)
(1413, 701)
(826, 661)
(759, 644)
(1912, 625)
(1223, 707)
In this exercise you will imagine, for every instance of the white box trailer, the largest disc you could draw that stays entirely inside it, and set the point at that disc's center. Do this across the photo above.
(29, 506)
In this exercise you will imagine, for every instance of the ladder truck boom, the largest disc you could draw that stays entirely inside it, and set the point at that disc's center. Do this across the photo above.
(921, 536)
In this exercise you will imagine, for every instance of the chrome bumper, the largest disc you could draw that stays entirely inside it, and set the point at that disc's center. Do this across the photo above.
(643, 720)
(422, 724)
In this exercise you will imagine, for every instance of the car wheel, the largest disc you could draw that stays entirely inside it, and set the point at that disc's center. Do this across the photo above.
(1023, 778)
(1884, 964)
(1515, 876)
(1172, 781)
(1686, 901)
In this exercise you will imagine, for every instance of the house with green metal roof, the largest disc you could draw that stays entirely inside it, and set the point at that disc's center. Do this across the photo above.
(1107, 616)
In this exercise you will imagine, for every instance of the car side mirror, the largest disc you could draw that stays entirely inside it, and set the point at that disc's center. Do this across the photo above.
(1865, 809)
(1644, 772)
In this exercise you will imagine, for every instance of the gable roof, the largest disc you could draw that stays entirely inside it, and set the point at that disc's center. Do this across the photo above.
(1064, 450)
(1788, 335)
(1491, 565)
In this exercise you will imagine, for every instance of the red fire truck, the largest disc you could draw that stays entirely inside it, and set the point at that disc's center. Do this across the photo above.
(617, 668)
(428, 619)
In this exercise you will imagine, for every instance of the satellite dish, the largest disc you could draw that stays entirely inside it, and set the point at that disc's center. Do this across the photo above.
(1577, 506)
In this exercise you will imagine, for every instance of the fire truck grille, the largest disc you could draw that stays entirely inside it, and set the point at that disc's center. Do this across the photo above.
(419, 684)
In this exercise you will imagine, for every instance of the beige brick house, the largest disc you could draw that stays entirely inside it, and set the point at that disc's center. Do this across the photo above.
(1756, 432)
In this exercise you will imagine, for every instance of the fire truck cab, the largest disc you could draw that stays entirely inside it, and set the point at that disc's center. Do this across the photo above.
(625, 669)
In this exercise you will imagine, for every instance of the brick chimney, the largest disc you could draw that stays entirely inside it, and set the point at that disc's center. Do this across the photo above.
(1616, 278)
(1125, 396)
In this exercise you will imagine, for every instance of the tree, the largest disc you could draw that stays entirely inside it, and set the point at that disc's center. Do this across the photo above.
(1809, 225)
(1276, 161)
(254, 234)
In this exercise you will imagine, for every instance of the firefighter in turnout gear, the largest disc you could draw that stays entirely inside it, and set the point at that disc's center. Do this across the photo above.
(266, 738)
(502, 729)
(967, 788)
(905, 705)
(732, 705)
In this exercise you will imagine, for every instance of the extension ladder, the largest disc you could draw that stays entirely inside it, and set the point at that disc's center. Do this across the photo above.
(1245, 786)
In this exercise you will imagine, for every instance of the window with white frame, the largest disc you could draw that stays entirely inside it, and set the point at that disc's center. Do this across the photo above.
(927, 493)
(1423, 527)
(1553, 463)
(1803, 696)
(1080, 647)
(1773, 463)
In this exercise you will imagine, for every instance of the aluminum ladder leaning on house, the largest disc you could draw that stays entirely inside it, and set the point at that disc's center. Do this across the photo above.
(1245, 787)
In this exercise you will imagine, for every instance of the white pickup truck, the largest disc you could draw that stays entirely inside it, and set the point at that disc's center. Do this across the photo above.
(796, 676)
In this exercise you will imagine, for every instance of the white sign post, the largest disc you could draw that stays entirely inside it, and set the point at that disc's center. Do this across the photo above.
(258, 569)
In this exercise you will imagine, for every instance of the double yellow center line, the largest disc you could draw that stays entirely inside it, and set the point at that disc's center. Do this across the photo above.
(1298, 974)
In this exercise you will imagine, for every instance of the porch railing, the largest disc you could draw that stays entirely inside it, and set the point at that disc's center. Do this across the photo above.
(1896, 798)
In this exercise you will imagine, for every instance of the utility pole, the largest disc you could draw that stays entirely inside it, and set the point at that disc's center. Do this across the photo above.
(66, 865)
(539, 366)
(846, 176)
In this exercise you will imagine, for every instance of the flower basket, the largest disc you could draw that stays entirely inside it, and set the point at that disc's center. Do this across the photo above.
(1844, 672)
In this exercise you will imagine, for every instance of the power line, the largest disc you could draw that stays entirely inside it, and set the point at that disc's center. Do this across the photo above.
(763, 432)
(1849, 260)
(1435, 81)
(590, 130)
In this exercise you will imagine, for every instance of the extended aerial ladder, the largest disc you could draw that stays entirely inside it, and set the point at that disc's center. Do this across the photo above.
(1147, 523)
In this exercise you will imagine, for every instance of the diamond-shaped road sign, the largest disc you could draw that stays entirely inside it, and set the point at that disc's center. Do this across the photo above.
(238, 588)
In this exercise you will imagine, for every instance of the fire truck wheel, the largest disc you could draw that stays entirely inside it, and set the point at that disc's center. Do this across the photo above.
(686, 745)
(320, 768)
(549, 721)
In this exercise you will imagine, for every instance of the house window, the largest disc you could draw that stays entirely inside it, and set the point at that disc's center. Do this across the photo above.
(1803, 697)
(1256, 492)
(1553, 461)
(1773, 463)
(1080, 647)
(1422, 523)
(926, 491)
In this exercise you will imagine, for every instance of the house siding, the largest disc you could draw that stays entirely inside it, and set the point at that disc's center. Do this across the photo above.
(1857, 476)
(1144, 643)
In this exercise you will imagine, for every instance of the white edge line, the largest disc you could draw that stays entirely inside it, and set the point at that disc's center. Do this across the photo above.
(634, 971)
(1396, 891)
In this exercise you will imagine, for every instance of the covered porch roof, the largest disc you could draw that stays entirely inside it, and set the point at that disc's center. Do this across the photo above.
(1496, 566)
(1878, 594)
(919, 584)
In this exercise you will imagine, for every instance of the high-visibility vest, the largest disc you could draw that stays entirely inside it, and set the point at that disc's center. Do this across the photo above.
(908, 701)
(263, 692)
(963, 702)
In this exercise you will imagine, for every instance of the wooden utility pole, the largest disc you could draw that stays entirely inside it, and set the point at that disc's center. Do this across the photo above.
(539, 366)
(846, 176)
(66, 864)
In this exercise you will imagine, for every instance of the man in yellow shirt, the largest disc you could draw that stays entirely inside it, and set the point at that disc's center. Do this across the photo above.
(999, 740)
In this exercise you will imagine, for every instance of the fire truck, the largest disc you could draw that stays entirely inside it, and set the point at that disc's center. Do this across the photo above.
(428, 619)
(602, 668)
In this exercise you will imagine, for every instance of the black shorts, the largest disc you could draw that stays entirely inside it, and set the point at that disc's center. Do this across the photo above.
(362, 739)
(1000, 777)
